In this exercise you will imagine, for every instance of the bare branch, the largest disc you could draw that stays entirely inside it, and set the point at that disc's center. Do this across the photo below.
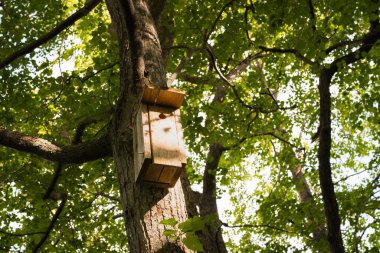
(84, 79)
(343, 44)
(20, 234)
(233, 87)
(367, 43)
(291, 51)
(107, 196)
(216, 20)
(180, 67)
(80, 130)
(54, 181)
(52, 223)
(80, 153)
(259, 226)
(256, 135)
(50, 35)
(312, 15)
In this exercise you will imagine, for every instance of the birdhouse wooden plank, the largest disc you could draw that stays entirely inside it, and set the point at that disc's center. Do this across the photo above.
(158, 139)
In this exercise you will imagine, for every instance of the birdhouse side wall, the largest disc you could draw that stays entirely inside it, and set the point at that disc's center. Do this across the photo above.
(142, 143)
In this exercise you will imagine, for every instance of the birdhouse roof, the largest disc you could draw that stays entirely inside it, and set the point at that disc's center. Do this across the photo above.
(167, 97)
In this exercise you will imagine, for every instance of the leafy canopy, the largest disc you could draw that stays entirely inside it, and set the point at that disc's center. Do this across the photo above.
(75, 76)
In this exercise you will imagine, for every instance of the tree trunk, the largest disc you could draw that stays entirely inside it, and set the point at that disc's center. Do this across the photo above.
(140, 64)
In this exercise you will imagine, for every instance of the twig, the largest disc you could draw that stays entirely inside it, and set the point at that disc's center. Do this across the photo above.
(50, 35)
(117, 216)
(347, 177)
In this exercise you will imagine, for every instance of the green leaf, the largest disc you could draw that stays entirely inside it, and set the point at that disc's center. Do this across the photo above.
(193, 224)
(170, 232)
(170, 222)
(192, 242)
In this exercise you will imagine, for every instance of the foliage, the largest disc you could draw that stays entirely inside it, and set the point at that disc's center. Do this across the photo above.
(76, 74)
(187, 230)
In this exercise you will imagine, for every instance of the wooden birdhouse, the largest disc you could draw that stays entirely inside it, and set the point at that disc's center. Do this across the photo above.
(159, 150)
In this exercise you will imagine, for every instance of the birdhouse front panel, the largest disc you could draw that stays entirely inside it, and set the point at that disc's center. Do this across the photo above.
(159, 148)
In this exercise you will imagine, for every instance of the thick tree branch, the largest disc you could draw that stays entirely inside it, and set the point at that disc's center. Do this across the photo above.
(80, 153)
(290, 51)
(367, 43)
(50, 35)
(54, 181)
(80, 130)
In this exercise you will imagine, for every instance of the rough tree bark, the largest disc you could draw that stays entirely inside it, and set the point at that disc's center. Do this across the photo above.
(141, 64)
